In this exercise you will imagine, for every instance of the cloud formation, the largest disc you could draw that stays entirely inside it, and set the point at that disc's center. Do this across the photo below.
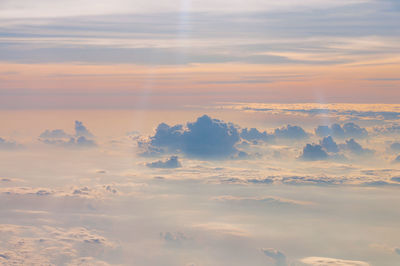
(313, 152)
(206, 138)
(81, 130)
(349, 130)
(81, 139)
(253, 134)
(276, 255)
(7, 144)
(356, 148)
(290, 132)
(329, 144)
(172, 162)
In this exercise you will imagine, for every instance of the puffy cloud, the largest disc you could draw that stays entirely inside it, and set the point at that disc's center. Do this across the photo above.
(253, 135)
(395, 146)
(54, 134)
(354, 131)
(329, 144)
(290, 132)
(279, 257)
(334, 130)
(320, 261)
(60, 138)
(356, 148)
(81, 130)
(205, 138)
(172, 162)
(349, 130)
(7, 144)
(388, 129)
(313, 152)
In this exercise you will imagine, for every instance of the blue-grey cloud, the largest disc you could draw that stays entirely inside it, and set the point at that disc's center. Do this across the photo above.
(329, 144)
(8, 144)
(82, 137)
(254, 135)
(397, 159)
(71, 142)
(397, 250)
(81, 130)
(396, 179)
(172, 162)
(313, 152)
(206, 138)
(395, 146)
(54, 134)
(276, 255)
(290, 132)
(348, 130)
(356, 148)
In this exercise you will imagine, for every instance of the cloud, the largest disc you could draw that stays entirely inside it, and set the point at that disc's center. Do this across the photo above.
(313, 152)
(47, 245)
(356, 148)
(205, 138)
(397, 250)
(290, 132)
(320, 261)
(396, 179)
(54, 134)
(172, 162)
(349, 130)
(264, 201)
(81, 130)
(59, 138)
(397, 159)
(395, 146)
(279, 257)
(174, 238)
(329, 144)
(8, 144)
(253, 135)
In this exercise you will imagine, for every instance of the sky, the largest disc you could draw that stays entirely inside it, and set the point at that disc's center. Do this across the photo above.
(200, 133)
(130, 54)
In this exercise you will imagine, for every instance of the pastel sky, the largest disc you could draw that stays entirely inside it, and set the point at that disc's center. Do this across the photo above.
(200, 133)
(135, 54)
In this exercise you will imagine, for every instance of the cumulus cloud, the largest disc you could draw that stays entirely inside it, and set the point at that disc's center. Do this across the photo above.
(254, 134)
(54, 134)
(7, 144)
(356, 148)
(205, 138)
(290, 132)
(172, 162)
(320, 261)
(313, 152)
(58, 137)
(276, 255)
(329, 144)
(395, 146)
(81, 130)
(349, 130)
